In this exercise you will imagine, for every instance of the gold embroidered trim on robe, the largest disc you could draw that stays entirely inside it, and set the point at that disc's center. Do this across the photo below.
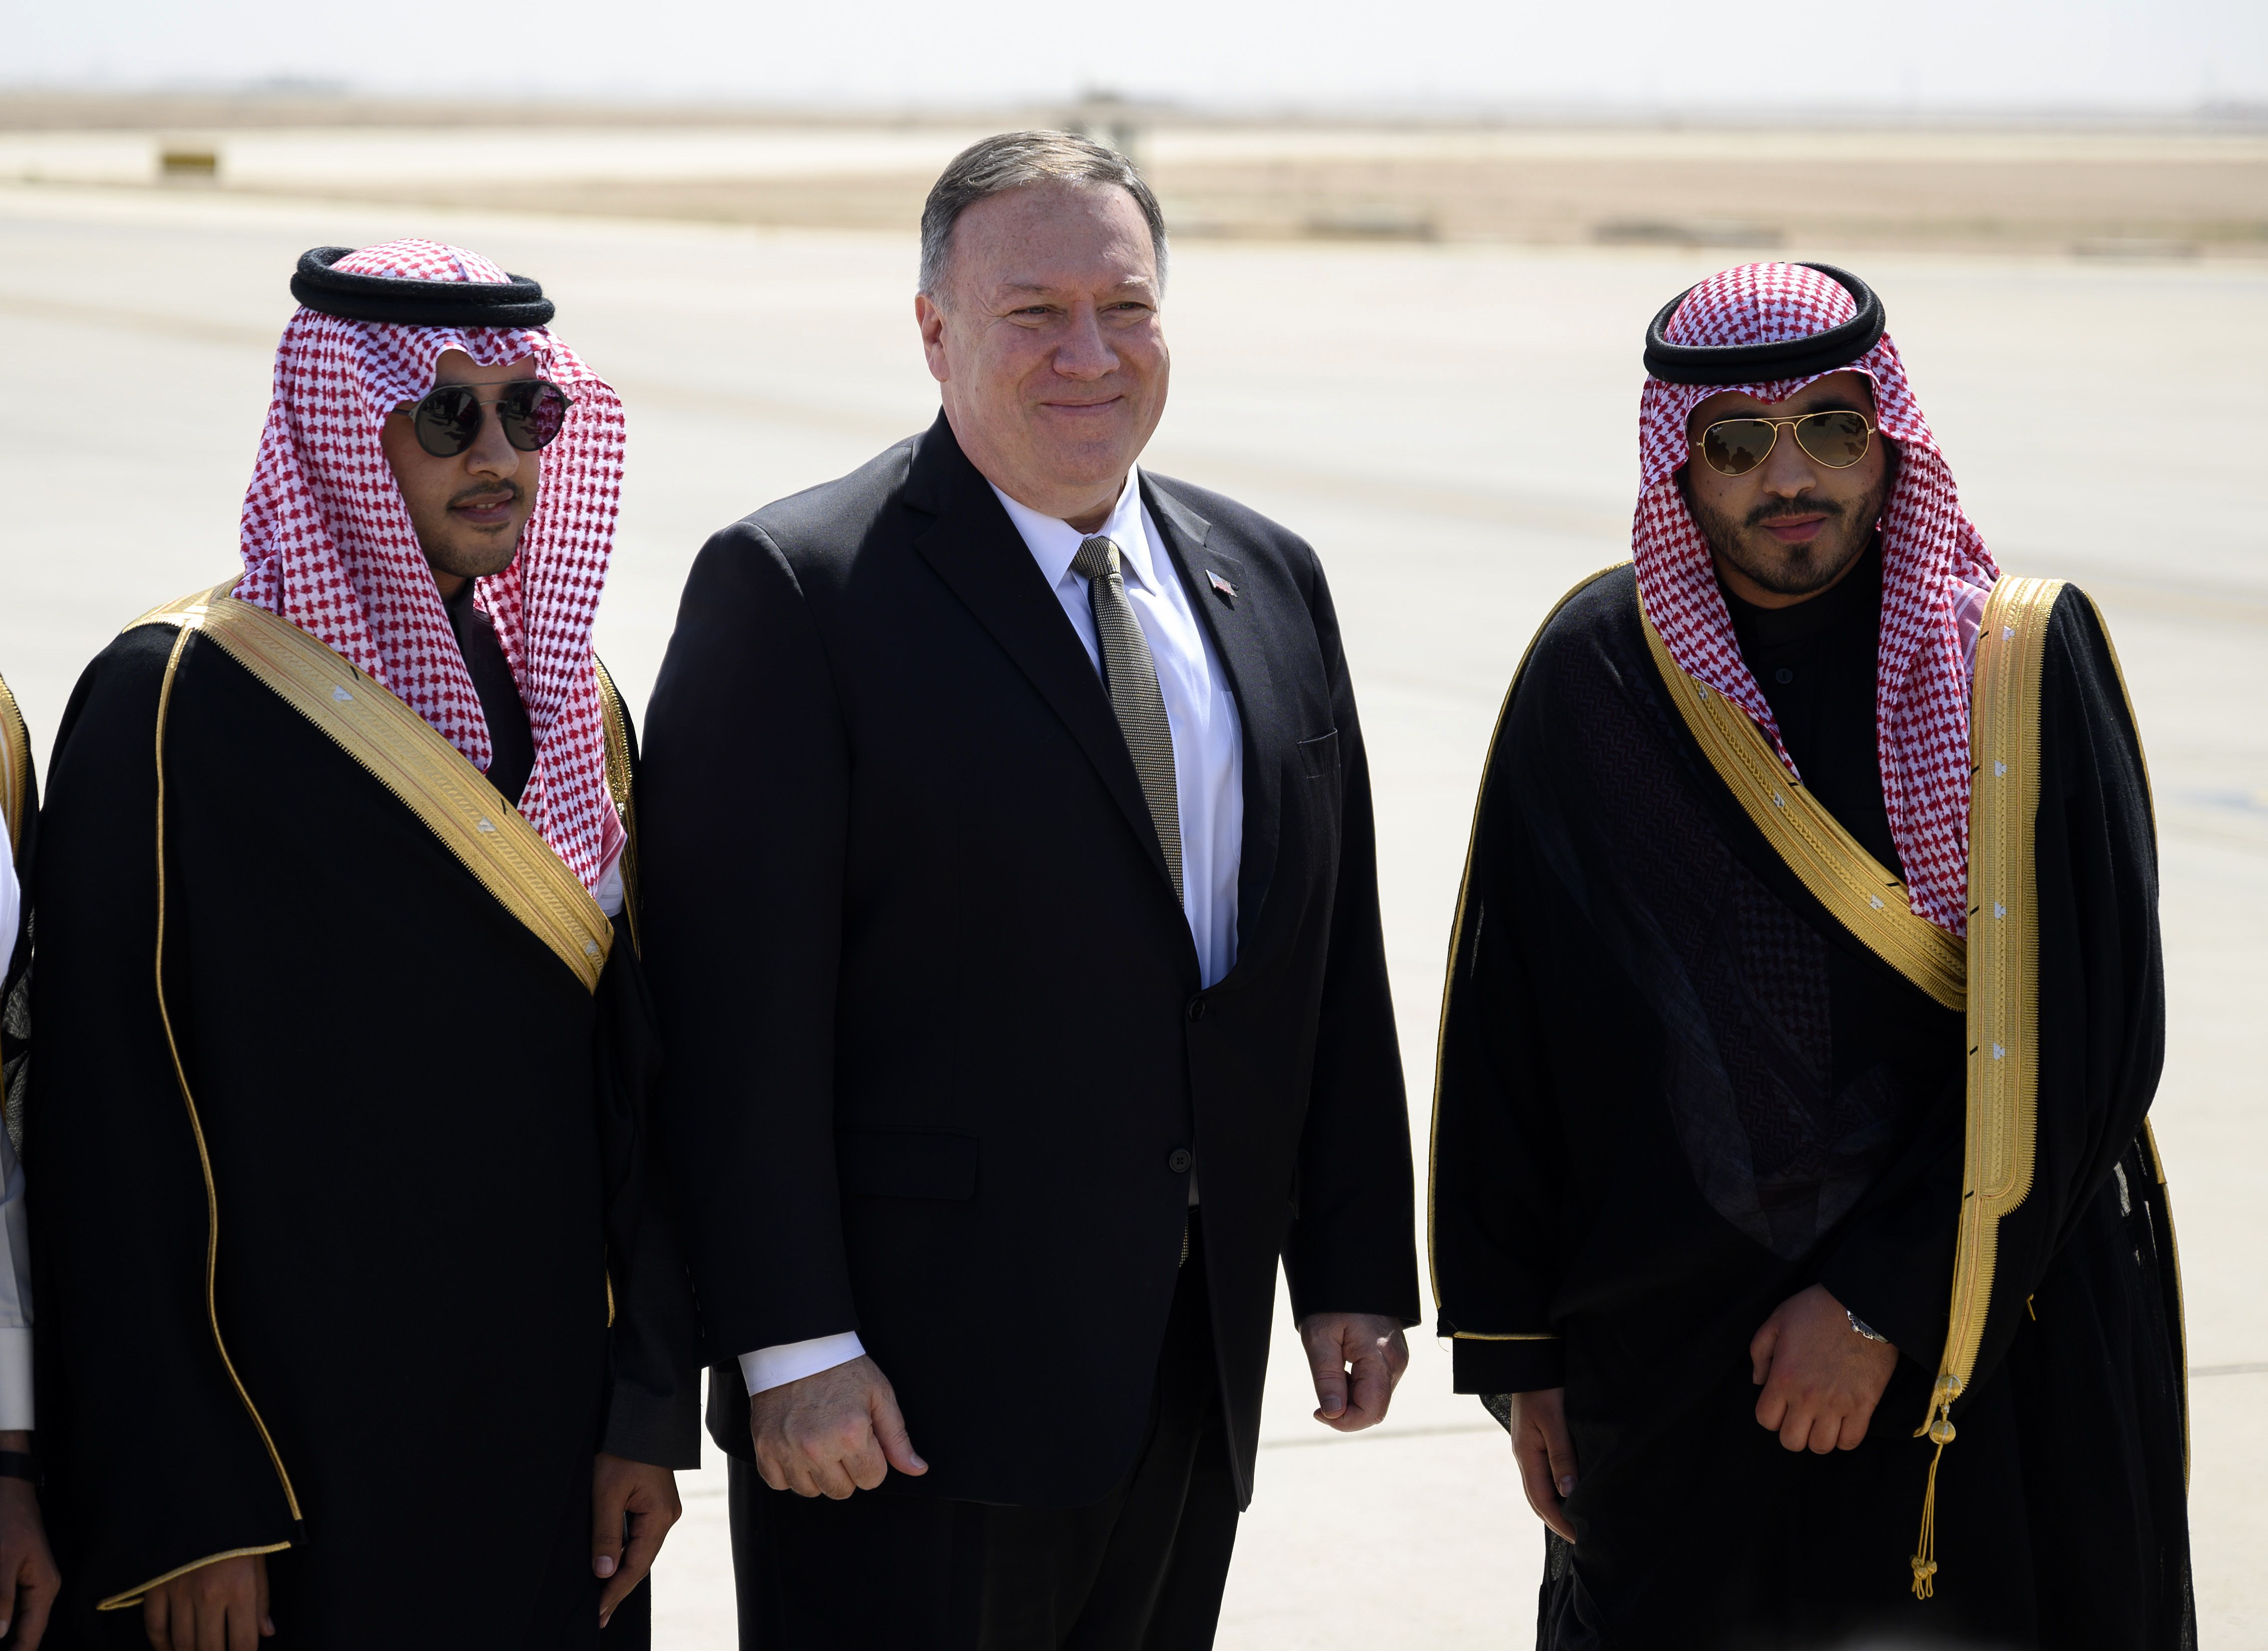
(1857, 889)
(411, 759)
(1457, 929)
(134, 1595)
(1474, 1335)
(15, 773)
(2004, 989)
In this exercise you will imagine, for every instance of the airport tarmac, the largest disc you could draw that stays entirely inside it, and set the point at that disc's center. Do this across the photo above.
(1454, 427)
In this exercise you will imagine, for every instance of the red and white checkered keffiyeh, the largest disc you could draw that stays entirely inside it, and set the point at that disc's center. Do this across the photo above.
(1936, 572)
(328, 543)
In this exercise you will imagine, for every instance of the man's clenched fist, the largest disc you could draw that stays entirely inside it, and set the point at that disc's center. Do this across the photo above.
(831, 1434)
(1820, 1378)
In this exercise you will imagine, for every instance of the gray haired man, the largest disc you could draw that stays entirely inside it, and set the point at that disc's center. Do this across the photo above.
(1014, 919)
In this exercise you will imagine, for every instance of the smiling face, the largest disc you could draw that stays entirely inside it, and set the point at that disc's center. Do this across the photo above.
(1047, 344)
(468, 510)
(1793, 527)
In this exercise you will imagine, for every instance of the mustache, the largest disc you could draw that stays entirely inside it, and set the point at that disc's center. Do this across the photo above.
(1773, 510)
(486, 495)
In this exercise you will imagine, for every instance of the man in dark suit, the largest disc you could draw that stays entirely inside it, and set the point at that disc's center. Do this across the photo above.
(1014, 925)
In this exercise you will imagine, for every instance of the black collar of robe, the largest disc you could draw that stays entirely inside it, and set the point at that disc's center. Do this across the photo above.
(512, 746)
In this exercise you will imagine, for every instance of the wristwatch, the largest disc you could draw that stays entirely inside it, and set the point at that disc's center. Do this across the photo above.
(1864, 1327)
(19, 1465)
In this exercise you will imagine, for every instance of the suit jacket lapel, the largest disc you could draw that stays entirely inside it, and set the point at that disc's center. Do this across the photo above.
(1237, 636)
(977, 550)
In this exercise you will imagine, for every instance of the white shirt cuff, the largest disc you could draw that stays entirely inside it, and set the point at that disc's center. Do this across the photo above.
(16, 1380)
(775, 1366)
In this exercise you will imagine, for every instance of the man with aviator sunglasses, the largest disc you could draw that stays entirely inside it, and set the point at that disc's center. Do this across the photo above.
(365, 1326)
(1804, 1010)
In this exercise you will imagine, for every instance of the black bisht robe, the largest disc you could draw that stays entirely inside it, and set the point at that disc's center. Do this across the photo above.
(427, 1166)
(1674, 1092)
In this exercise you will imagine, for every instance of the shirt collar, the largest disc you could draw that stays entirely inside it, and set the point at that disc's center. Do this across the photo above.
(1053, 542)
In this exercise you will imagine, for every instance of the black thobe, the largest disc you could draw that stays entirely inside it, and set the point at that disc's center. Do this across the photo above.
(426, 1162)
(1674, 1092)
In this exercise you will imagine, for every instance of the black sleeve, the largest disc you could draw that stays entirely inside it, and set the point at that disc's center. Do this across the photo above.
(1891, 1264)
(746, 801)
(156, 1460)
(653, 1404)
(1498, 1159)
(1352, 1248)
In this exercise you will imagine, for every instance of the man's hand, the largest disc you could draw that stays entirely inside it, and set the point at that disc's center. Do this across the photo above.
(1820, 1378)
(1365, 1344)
(644, 1498)
(217, 1606)
(831, 1434)
(1545, 1453)
(28, 1577)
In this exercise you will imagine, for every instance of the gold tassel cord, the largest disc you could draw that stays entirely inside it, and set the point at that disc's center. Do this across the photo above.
(1940, 1429)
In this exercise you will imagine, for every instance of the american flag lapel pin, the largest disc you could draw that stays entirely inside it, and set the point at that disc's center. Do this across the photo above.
(1227, 591)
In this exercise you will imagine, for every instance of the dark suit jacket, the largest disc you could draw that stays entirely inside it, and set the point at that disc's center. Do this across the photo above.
(936, 1052)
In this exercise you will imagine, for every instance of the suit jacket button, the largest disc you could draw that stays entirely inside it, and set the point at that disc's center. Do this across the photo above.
(1180, 1161)
(1197, 1008)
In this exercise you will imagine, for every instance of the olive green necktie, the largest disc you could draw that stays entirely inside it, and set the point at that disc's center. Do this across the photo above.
(1132, 680)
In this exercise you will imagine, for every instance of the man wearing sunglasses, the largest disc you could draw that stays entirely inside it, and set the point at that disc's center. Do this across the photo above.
(1794, 1205)
(360, 1323)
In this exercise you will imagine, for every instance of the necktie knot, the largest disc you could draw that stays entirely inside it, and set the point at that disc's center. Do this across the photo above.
(1130, 678)
(1097, 556)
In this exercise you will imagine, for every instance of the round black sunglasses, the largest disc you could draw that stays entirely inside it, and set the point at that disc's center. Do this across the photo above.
(448, 419)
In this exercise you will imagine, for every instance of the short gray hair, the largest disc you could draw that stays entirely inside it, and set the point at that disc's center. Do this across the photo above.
(995, 165)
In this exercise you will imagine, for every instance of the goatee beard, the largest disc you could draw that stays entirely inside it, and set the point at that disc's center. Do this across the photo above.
(1796, 569)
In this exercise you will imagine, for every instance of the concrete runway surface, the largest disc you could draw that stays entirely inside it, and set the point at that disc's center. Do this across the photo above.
(1454, 427)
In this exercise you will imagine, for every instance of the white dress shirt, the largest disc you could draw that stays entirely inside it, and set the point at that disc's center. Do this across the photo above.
(15, 1251)
(1207, 777)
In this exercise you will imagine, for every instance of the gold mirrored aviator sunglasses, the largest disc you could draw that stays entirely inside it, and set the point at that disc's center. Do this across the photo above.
(1734, 446)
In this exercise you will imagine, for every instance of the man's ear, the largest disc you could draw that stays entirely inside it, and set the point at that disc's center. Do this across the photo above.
(929, 316)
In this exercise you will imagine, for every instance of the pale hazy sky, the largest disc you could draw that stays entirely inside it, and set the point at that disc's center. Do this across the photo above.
(1922, 54)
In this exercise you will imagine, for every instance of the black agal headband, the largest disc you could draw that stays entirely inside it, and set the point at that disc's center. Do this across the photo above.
(1763, 364)
(518, 302)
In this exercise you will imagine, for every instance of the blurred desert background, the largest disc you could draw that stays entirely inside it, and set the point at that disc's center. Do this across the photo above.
(1414, 254)
(2190, 185)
